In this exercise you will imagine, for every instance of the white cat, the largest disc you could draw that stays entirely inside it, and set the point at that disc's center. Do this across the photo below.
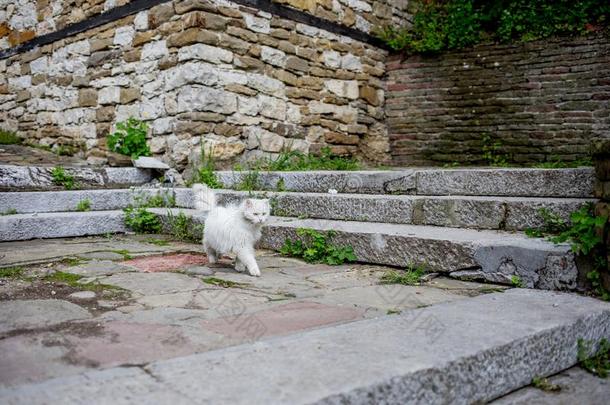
(232, 229)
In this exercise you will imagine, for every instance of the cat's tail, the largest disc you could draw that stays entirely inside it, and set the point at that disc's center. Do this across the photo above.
(204, 197)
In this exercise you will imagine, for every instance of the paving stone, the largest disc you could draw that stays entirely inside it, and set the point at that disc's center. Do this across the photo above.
(181, 299)
(102, 256)
(388, 297)
(82, 295)
(153, 283)
(170, 262)
(199, 271)
(99, 268)
(27, 314)
(282, 319)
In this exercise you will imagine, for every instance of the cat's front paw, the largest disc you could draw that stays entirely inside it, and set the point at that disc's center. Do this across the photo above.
(240, 267)
(254, 272)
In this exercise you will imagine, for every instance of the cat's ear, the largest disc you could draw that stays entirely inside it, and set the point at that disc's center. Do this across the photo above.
(249, 204)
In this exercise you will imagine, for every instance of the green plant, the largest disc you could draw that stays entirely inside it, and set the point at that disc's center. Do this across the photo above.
(206, 173)
(157, 242)
(129, 138)
(72, 280)
(584, 237)
(411, 276)
(491, 154)
(582, 234)
(9, 138)
(516, 281)
(447, 24)
(316, 247)
(61, 178)
(11, 272)
(9, 211)
(597, 363)
(556, 163)
(545, 385)
(163, 199)
(66, 150)
(298, 161)
(280, 185)
(123, 252)
(141, 221)
(184, 228)
(393, 312)
(553, 224)
(222, 283)
(249, 181)
(84, 205)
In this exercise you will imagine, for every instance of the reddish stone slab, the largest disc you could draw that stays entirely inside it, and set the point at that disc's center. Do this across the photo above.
(152, 264)
(279, 320)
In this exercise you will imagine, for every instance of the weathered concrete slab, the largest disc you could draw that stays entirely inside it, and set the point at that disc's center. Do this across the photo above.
(60, 225)
(484, 182)
(28, 314)
(422, 356)
(39, 177)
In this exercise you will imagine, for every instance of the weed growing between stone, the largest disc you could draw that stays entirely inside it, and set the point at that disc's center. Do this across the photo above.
(72, 280)
(553, 225)
(250, 181)
(411, 276)
(84, 205)
(516, 281)
(222, 283)
(206, 173)
(316, 247)
(597, 363)
(61, 178)
(140, 220)
(491, 153)
(184, 228)
(584, 235)
(11, 272)
(10, 211)
(124, 252)
(545, 385)
(157, 242)
(556, 163)
(9, 138)
(129, 138)
(289, 161)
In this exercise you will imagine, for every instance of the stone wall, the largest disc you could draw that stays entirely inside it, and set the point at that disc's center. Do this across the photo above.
(601, 156)
(363, 15)
(540, 100)
(246, 82)
(22, 20)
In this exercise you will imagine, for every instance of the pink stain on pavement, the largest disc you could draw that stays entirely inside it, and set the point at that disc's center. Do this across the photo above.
(153, 264)
(235, 322)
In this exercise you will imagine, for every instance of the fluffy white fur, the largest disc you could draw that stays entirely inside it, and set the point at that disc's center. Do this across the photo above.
(232, 229)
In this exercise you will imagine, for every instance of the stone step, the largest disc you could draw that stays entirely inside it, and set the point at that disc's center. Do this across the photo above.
(493, 256)
(60, 225)
(505, 213)
(577, 183)
(487, 255)
(14, 178)
(24, 202)
(468, 351)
